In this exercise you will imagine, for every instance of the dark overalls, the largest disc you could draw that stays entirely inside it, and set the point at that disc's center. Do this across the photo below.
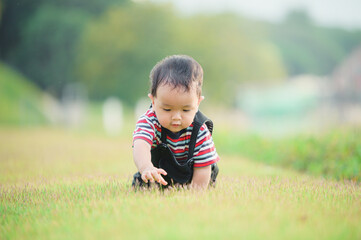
(162, 157)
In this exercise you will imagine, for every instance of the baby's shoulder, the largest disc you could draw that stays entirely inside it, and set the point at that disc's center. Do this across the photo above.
(149, 115)
(149, 118)
(203, 132)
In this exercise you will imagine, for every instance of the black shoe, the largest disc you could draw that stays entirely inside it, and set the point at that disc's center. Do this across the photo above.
(138, 181)
(214, 174)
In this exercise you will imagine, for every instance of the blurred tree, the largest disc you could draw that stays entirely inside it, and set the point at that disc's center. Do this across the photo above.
(112, 45)
(14, 16)
(39, 37)
(298, 17)
(47, 50)
(231, 50)
(1, 9)
(118, 51)
(307, 48)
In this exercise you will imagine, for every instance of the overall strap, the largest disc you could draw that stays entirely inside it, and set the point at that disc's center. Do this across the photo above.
(198, 121)
(163, 135)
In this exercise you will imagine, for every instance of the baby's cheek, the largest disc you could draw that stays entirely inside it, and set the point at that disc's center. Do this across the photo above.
(162, 122)
(188, 121)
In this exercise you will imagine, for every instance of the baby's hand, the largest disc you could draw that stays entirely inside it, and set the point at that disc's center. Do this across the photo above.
(154, 174)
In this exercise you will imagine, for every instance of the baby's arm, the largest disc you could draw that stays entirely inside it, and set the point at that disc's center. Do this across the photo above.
(142, 159)
(201, 176)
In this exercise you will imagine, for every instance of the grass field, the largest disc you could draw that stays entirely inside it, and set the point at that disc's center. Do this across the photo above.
(57, 184)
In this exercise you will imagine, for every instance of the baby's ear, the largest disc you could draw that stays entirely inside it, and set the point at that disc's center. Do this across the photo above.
(151, 97)
(200, 99)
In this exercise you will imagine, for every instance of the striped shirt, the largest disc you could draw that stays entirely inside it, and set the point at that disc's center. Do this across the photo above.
(149, 129)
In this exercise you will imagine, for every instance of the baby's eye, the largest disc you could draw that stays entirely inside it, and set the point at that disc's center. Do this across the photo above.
(186, 110)
(166, 109)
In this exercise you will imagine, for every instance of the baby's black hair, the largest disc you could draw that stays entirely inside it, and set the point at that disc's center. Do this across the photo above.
(178, 71)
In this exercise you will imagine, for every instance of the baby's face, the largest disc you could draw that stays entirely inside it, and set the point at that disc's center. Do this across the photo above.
(174, 107)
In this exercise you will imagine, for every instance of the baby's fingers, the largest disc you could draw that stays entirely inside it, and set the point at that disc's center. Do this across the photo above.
(156, 176)
(162, 181)
(147, 176)
(161, 171)
(144, 178)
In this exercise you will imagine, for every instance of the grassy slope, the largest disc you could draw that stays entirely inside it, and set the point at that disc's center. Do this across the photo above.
(20, 101)
(60, 185)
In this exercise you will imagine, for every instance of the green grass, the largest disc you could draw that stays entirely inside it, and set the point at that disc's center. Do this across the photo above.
(335, 154)
(56, 184)
(20, 100)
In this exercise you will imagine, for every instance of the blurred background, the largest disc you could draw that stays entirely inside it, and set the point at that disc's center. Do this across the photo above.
(282, 80)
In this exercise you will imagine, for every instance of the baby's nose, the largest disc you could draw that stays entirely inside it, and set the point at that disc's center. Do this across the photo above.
(176, 116)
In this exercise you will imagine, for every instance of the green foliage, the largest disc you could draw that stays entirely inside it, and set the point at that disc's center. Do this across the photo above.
(1, 9)
(39, 37)
(17, 13)
(232, 50)
(49, 39)
(335, 154)
(118, 51)
(308, 48)
(14, 15)
(20, 101)
(111, 46)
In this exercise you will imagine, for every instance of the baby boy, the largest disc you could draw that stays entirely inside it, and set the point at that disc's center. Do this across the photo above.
(172, 142)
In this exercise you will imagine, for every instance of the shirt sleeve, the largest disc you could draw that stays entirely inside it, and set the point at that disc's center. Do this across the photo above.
(144, 130)
(205, 152)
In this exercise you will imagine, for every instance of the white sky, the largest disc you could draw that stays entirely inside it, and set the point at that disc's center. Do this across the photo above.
(342, 13)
